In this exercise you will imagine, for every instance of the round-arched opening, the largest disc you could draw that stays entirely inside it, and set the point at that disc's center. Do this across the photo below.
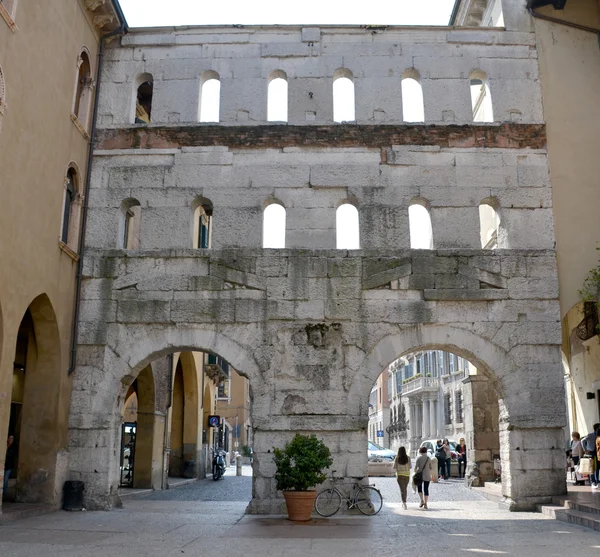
(202, 223)
(210, 97)
(481, 97)
(277, 97)
(129, 224)
(274, 226)
(144, 91)
(489, 224)
(413, 109)
(421, 231)
(343, 96)
(347, 227)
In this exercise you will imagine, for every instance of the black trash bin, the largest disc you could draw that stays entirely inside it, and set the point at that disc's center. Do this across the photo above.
(73, 495)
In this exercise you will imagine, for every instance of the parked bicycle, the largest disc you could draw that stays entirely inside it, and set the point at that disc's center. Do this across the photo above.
(366, 498)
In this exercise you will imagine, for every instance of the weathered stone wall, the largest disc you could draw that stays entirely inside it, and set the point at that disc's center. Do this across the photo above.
(312, 330)
(313, 327)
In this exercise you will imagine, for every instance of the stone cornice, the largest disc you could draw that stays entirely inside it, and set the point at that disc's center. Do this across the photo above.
(103, 15)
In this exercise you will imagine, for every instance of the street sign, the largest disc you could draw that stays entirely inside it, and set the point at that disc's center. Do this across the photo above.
(214, 421)
(380, 433)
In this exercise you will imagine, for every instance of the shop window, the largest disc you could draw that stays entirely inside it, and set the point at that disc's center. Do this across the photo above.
(277, 97)
(210, 97)
(203, 223)
(347, 235)
(131, 213)
(481, 98)
(274, 226)
(421, 232)
(343, 96)
(83, 89)
(143, 104)
(413, 109)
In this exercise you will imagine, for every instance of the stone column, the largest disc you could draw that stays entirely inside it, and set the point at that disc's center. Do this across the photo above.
(426, 419)
(412, 425)
(432, 418)
(149, 450)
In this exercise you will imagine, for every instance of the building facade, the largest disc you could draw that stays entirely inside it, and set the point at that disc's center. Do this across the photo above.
(48, 79)
(313, 324)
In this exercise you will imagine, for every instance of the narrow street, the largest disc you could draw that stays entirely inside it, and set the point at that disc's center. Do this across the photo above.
(207, 518)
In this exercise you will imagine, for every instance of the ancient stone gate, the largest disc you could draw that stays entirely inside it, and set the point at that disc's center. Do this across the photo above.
(311, 326)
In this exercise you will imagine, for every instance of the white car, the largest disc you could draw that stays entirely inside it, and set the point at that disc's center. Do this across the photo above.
(381, 460)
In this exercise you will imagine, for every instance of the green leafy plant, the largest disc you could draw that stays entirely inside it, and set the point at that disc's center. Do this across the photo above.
(245, 451)
(301, 463)
(590, 292)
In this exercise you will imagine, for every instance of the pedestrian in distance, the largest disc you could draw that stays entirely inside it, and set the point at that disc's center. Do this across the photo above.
(589, 446)
(448, 453)
(10, 461)
(402, 467)
(462, 457)
(440, 455)
(422, 476)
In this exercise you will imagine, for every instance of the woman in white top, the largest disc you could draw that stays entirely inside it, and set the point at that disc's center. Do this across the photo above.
(576, 447)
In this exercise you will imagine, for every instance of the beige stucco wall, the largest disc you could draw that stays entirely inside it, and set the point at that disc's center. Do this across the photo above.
(570, 77)
(38, 140)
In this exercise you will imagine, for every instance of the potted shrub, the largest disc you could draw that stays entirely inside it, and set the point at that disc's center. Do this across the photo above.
(300, 467)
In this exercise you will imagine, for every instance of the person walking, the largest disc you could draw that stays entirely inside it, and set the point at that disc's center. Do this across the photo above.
(10, 461)
(448, 453)
(422, 476)
(402, 467)
(589, 446)
(440, 455)
(462, 457)
(576, 448)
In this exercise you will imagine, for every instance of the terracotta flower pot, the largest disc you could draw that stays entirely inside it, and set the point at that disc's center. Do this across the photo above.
(299, 504)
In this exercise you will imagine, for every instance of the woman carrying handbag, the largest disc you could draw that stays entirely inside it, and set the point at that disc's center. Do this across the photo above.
(422, 476)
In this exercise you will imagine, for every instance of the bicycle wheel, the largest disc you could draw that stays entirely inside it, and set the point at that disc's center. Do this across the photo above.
(368, 500)
(328, 502)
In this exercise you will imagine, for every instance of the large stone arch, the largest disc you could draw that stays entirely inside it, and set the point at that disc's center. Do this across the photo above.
(526, 438)
(96, 414)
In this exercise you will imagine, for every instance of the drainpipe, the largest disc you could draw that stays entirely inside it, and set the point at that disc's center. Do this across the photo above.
(81, 249)
(544, 17)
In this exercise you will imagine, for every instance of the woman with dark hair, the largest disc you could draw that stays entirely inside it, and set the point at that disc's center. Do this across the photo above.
(402, 467)
(422, 476)
(461, 449)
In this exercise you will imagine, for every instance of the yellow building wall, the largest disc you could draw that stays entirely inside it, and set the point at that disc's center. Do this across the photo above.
(570, 77)
(38, 140)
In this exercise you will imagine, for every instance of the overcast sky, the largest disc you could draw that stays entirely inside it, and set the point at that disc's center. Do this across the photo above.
(151, 13)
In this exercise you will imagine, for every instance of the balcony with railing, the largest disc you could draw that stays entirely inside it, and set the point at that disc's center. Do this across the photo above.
(217, 368)
(421, 384)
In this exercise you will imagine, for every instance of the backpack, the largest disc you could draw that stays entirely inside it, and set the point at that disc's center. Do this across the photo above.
(440, 453)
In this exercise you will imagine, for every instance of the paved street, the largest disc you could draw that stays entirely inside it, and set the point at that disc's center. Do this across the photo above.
(207, 518)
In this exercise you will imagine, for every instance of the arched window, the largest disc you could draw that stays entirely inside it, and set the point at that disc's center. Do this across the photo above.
(129, 228)
(489, 220)
(274, 226)
(144, 87)
(70, 214)
(83, 89)
(210, 97)
(412, 97)
(2, 97)
(347, 235)
(481, 98)
(343, 96)
(421, 233)
(203, 223)
(277, 97)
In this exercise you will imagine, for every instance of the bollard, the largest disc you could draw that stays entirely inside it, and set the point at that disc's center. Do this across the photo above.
(238, 465)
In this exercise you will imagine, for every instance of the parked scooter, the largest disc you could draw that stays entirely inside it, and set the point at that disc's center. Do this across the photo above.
(218, 464)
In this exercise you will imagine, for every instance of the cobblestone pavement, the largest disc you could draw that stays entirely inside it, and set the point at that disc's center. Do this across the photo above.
(186, 520)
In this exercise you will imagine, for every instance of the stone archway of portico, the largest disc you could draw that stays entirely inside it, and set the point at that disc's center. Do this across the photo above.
(486, 356)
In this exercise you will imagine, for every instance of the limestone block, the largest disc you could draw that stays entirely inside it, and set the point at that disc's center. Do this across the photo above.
(117, 102)
(516, 96)
(535, 288)
(204, 176)
(203, 311)
(98, 310)
(249, 95)
(460, 312)
(523, 197)
(529, 229)
(487, 176)
(533, 177)
(434, 176)
(443, 67)
(441, 95)
(311, 34)
(363, 175)
(310, 96)
(380, 100)
(175, 100)
(146, 311)
(102, 226)
(247, 231)
(289, 50)
(92, 332)
(166, 227)
(137, 177)
(449, 230)
(96, 289)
